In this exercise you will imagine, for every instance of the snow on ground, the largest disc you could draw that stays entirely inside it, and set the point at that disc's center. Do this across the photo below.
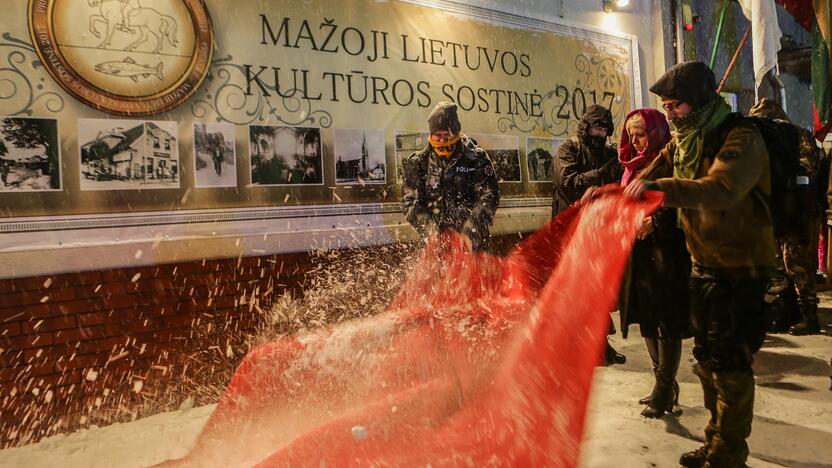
(792, 425)
(139, 443)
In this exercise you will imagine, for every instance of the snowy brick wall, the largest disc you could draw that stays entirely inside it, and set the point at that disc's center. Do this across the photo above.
(104, 346)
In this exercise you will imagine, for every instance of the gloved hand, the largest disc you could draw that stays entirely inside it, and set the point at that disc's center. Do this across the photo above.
(637, 187)
(469, 229)
(591, 194)
(612, 169)
(425, 224)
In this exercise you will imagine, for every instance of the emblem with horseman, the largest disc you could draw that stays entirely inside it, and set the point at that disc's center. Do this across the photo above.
(130, 17)
(129, 57)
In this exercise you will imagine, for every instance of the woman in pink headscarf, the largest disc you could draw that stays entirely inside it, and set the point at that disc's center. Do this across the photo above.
(654, 293)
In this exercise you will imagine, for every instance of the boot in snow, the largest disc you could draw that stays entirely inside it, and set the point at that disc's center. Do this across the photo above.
(694, 458)
(810, 324)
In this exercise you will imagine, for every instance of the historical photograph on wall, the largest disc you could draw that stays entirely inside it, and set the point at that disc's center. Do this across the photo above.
(30, 155)
(540, 154)
(359, 156)
(214, 157)
(128, 154)
(504, 153)
(407, 143)
(285, 155)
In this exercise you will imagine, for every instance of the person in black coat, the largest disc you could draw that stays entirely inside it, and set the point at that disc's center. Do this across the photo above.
(585, 160)
(582, 162)
(654, 291)
(451, 183)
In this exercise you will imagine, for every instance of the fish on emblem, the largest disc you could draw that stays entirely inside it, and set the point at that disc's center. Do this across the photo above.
(128, 68)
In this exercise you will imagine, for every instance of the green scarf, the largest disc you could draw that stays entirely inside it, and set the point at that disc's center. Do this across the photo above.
(690, 136)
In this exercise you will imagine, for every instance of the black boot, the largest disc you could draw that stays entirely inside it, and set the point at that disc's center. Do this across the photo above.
(661, 403)
(611, 356)
(676, 410)
(810, 324)
(694, 458)
(785, 312)
(653, 352)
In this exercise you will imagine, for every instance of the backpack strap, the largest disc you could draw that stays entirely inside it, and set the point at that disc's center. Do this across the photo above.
(716, 138)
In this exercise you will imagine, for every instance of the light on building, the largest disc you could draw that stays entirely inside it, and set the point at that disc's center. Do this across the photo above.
(613, 5)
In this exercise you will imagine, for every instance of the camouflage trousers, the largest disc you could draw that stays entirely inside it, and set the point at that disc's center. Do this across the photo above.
(798, 263)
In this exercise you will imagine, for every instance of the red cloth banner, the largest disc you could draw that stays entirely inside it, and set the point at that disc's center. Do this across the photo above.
(479, 361)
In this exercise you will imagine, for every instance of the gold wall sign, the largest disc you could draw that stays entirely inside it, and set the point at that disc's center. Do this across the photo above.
(292, 91)
(124, 57)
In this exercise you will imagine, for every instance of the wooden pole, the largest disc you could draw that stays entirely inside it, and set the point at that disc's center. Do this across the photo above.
(734, 59)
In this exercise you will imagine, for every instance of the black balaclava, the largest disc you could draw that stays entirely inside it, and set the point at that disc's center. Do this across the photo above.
(595, 115)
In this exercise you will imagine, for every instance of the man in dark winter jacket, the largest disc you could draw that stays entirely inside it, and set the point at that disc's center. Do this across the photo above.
(450, 184)
(719, 179)
(585, 160)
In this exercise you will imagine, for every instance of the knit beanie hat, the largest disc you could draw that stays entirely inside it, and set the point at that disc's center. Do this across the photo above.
(444, 117)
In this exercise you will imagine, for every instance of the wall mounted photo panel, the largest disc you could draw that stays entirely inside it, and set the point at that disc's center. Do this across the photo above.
(540, 156)
(504, 153)
(214, 155)
(128, 154)
(405, 144)
(30, 155)
(359, 156)
(285, 155)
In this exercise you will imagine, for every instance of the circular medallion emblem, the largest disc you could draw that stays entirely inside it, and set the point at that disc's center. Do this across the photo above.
(125, 57)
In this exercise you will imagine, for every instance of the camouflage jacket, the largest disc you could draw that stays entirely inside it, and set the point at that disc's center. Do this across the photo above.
(459, 193)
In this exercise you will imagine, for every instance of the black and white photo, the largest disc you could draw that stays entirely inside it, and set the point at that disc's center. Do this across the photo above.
(504, 154)
(540, 154)
(407, 143)
(359, 156)
(30, 159)
(215, 161)
(285, 155)
(128, 154)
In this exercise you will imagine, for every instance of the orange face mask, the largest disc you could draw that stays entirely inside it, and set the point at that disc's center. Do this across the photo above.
(444, 148)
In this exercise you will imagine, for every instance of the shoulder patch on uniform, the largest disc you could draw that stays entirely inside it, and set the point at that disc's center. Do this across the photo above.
(489, 170)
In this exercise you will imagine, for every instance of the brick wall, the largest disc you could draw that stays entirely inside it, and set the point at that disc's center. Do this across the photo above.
(104, 346)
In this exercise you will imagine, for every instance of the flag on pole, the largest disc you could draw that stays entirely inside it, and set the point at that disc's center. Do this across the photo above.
(765, 35)
(822, 68)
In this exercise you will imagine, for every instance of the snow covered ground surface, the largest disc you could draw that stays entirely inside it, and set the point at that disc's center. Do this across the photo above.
(792, 423)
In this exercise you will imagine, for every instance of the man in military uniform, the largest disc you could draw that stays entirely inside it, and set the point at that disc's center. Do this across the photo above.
(798, 255)
(450, 184)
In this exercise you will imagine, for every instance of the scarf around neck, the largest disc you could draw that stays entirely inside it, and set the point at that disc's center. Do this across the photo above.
(690, 136)
(658, 134)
